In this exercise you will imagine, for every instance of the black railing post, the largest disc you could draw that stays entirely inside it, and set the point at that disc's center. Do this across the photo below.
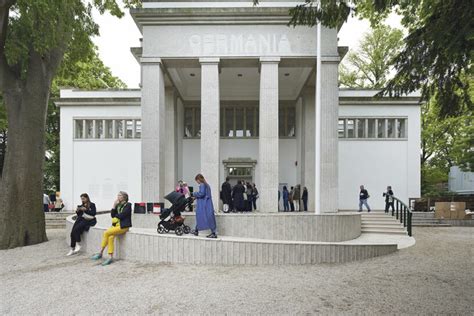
(409, 224)
(405, 211)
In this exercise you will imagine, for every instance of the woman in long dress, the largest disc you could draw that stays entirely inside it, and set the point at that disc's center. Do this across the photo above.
(205, 218)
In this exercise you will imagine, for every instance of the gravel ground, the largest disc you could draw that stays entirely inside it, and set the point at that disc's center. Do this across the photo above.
(432, 277)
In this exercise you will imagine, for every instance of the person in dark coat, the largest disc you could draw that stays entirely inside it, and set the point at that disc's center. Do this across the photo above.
(254, 196)
(226, 196)
(389, 199)
(205, 218)
(304, 197)
(121, 214)
(249, 193)
(85, 219)
(286, 196)
(363, 196)
(238, 196)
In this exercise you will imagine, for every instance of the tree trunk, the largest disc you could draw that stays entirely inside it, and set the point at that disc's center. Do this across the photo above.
(22, 220)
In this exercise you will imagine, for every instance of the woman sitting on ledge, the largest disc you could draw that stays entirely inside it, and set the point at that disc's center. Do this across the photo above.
(121, 222)
(205, 218)
(85, 219)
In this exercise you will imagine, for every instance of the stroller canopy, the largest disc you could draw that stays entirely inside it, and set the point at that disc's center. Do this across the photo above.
(175, 198)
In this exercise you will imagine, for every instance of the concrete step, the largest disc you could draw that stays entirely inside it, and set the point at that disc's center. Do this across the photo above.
(396, 226)
(383, 231)
(430, 225)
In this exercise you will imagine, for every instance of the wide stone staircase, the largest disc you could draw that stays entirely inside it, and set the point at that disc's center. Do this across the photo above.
(56, 220)
(381, 223)
(427, 219)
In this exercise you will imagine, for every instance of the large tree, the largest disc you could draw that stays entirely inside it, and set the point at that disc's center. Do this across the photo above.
(369, 66)
(34, 37)
(438, 48)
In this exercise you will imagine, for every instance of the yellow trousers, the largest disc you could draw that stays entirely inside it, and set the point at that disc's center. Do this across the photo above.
(109, 236)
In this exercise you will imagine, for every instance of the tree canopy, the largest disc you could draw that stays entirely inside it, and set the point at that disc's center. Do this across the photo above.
(370, 64)
(438, 48)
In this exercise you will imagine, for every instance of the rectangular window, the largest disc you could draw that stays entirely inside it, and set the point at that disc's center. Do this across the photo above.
(188, 122)
(371, 128)
(239, 122)
(401, 128)
(381, 128)
(391, 128)
(79, 128)
(360, 128)
(197, 122)
(350, 128)
(341, 130)
(89, 129)
(249, 122)
(129, 129)
(138, 129)
(99, 125)
(291, 123)
(229, 122)
(119, 129)
(109, 132)
(282, 122)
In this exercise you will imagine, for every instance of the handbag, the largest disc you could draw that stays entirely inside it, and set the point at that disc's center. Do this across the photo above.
(245, 196)
(87, 217)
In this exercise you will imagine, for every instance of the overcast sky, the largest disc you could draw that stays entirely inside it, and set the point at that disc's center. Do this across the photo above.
(118, 35)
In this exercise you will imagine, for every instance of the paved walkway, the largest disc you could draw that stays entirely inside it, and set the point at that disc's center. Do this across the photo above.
(432, 277)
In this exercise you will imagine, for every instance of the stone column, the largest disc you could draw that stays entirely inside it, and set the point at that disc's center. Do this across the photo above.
(170, 141)
(210, 114)
(179, 137)
(328, 132)
(268, 134)
(153, 123)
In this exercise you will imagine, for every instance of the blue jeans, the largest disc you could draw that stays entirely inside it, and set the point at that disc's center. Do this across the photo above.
(363, 202)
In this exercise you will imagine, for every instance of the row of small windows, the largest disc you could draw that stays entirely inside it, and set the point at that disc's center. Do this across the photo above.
(107, 128)
(239, 122)
(372, 128)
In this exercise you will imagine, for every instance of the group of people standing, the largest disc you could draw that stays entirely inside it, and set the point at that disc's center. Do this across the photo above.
(292, 199)
(240, 198)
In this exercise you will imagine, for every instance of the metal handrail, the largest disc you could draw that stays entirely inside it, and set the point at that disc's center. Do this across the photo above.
(404, 213)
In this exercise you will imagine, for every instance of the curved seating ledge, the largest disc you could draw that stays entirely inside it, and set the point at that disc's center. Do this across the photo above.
(145, 244)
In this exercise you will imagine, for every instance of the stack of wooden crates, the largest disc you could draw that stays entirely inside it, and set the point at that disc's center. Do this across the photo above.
(451, 210)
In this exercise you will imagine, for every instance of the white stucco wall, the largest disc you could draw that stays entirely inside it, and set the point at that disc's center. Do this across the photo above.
(99, 167)
(378, 163)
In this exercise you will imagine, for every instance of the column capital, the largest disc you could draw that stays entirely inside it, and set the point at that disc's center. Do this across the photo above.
(209, 60)
(270, 59)
(151, 60)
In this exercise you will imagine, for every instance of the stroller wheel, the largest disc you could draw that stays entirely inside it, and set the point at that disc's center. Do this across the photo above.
(178, 231)
(161, 229)
(186, 229)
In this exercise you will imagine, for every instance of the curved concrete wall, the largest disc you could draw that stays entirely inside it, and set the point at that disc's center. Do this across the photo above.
(279, 226)
(144, 244)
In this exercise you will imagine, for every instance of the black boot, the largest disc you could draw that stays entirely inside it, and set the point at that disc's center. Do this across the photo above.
(212, 235)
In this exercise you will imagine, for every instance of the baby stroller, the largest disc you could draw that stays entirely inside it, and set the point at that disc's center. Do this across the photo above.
(171, 218)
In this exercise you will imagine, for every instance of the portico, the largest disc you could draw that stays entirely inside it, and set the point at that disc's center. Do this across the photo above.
(221, 86)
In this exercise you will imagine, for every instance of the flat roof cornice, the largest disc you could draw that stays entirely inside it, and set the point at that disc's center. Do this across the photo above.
(199, 16)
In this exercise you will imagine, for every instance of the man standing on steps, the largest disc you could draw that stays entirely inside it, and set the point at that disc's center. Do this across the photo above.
(388, 199)
(363, 196)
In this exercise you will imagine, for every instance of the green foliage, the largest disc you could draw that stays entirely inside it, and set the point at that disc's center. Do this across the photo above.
(369, 66)
(89, 73)
(438, 48)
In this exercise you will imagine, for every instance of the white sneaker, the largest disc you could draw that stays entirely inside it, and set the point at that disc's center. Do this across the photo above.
(77, 249)
(70, 253)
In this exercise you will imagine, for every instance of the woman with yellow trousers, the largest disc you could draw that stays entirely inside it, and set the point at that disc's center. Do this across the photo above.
(121, 222)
